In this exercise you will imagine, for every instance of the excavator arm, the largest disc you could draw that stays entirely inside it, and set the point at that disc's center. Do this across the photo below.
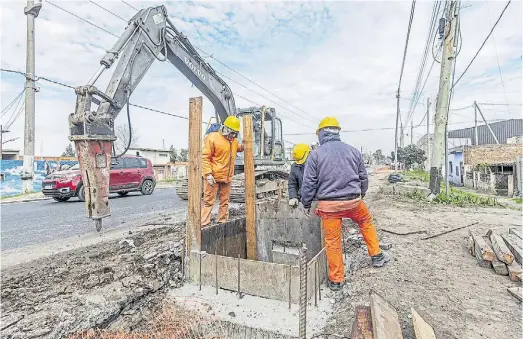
(149, 36)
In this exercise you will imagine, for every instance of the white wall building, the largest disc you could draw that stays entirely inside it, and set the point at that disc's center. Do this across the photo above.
(157, 156)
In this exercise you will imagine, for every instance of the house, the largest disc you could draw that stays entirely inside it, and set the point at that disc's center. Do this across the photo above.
(494, 169)
(10, 154)
(157, 156)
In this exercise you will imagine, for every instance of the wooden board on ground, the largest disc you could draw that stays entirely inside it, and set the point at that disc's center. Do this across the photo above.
(362, 325)
(471, 246)
(385, 322)
(421, 328)
(516, 292)
(500, 248)
(516, 232)
(483, 249)
(514, 271)
(514, 245)
(498, 266)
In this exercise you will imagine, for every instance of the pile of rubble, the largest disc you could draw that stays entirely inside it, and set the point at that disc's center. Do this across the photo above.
(501, 252)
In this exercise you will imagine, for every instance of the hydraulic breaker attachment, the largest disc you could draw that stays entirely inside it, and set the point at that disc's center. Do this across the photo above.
(93, 136)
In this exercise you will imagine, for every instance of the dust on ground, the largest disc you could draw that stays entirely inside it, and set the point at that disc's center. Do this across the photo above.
(438, 277)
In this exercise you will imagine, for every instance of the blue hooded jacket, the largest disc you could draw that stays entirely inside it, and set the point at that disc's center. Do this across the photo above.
(333, 171)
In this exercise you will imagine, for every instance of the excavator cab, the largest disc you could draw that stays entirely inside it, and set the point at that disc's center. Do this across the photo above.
(268, 136)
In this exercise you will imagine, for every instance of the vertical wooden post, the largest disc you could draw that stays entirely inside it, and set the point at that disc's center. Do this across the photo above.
(250, 188)
(194, 173)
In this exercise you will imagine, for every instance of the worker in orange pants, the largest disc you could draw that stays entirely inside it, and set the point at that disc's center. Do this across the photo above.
(331, 214)
(336, 177)
(218, 156)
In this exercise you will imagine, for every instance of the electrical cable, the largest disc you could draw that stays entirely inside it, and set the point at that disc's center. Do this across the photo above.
(107, 10)
(483, 44)
(79, 17)
(412, 8)
(497, 59)
(210, 55)
(17, 98)
(128, 4)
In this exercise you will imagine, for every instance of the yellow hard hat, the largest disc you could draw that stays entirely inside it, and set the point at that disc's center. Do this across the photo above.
(300, 153)
(328, 122)
(233, 123)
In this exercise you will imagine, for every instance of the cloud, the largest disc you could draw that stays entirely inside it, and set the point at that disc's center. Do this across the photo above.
(324, 58)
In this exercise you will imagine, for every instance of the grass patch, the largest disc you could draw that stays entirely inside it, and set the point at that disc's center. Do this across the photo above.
(460, 198)
(518, 200)
(168, 180)
(418, 174)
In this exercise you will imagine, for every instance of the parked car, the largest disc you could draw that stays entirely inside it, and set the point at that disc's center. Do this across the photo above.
(128, 174)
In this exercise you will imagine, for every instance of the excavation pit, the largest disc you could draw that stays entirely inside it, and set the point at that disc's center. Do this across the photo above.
(280, 233)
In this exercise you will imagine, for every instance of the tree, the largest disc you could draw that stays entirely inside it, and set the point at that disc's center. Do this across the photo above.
(173, 154)
(122, 138)
(378, 156)
(69, 152)
(184, 155)
(410, 155)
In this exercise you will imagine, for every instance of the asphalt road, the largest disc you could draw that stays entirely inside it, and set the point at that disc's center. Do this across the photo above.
(41, 221)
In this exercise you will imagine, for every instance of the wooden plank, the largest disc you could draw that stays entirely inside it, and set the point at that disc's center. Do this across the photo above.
(498, 266)
(514, 245)
(385, 322)
(194, 173)
(362, 325)
(250, 187)
(514, 271)
(516, 232)
(500, 248)
(471, 245)
(421, 328)
(516, 292)
(483, 249)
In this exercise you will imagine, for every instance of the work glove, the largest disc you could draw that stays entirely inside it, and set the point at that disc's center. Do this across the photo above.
(210, 180)
(293, 202)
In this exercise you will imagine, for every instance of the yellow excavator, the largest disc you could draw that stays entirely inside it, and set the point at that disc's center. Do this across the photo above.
(150, 35)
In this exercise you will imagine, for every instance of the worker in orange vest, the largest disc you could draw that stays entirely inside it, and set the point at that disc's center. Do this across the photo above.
(218, 156)
(335, 175)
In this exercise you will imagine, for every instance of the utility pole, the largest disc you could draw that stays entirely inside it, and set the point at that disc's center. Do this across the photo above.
(442, 103)
(488, 125)
(31, 11)
(396, 130)
(428, 129)
(475, 124)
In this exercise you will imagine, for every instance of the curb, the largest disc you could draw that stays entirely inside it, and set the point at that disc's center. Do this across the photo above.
(25, 200)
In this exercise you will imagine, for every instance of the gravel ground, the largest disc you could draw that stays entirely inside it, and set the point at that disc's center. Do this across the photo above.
(438, 277)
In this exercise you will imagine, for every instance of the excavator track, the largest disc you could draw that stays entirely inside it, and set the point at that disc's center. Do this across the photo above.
(269, 183)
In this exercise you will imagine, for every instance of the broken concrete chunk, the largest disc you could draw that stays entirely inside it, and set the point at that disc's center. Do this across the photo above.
(514, 271)
(149, 255)
(385, 246)
(127, 243)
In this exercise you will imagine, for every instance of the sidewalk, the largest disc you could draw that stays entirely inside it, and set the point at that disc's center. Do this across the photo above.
(24, 198)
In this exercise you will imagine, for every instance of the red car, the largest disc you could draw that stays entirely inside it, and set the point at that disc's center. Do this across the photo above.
(128, 174)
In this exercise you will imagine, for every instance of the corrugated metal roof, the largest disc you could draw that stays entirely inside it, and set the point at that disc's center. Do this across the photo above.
(503, 130)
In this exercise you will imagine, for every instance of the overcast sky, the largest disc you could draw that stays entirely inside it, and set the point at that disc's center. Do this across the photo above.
(325, 58)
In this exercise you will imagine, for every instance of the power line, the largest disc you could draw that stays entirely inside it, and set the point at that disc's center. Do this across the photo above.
(483, 44)
(210, 55)
(107, 10)
(128, 4)
(79, 17)
(497, 60)
(261, 95)
(497, 104)
(17, 98)
(253, 82)
(413, 6)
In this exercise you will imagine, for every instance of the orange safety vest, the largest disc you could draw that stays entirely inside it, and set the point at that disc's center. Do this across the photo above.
(218, 156)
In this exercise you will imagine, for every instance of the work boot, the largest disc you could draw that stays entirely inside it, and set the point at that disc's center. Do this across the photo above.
(381, 259)
(334, 286)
